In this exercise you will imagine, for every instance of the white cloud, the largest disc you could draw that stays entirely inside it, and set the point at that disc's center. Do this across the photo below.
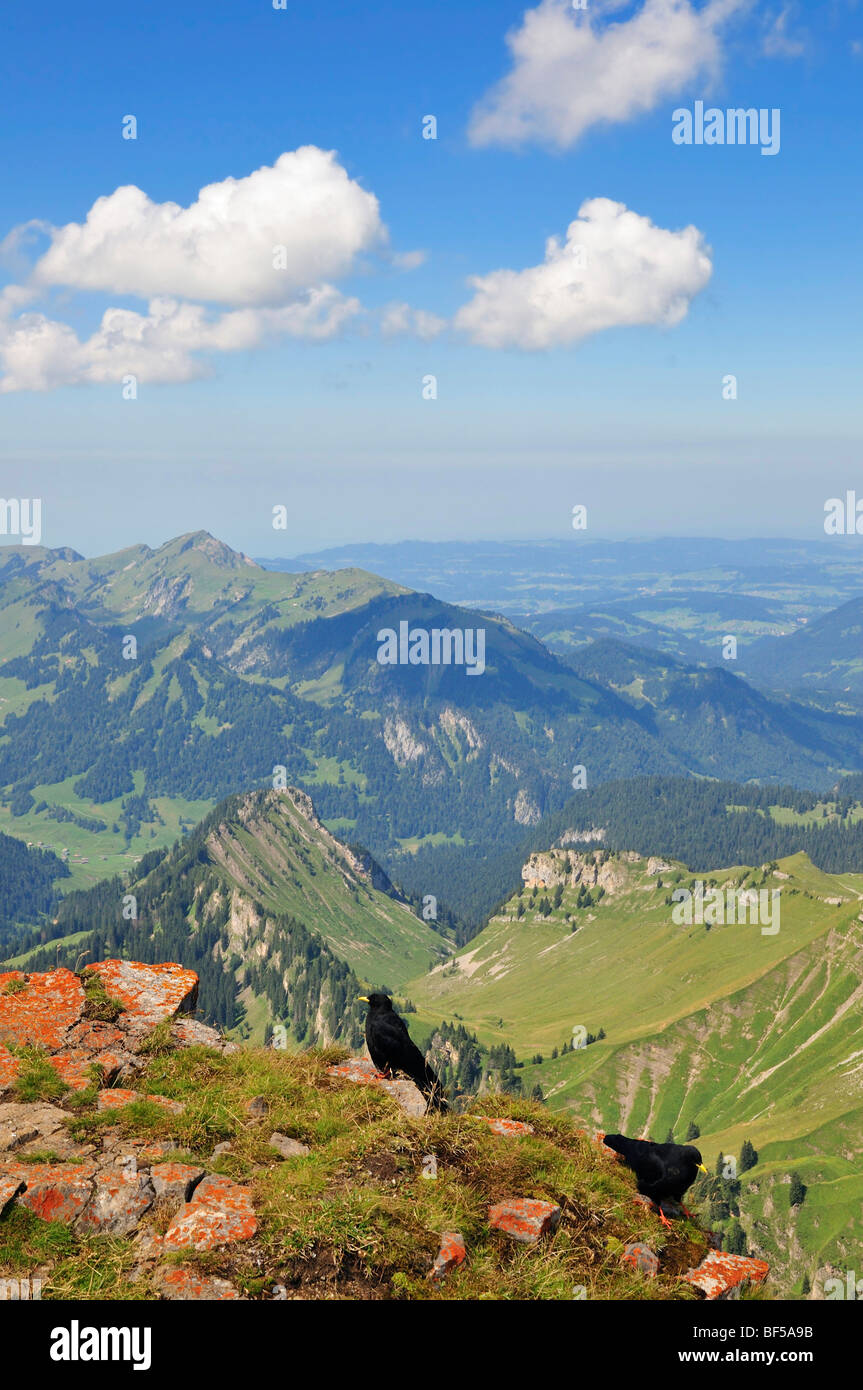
(267, 245)
(614, 268)
(401, 318)
(40, 354)
(570, 71)
(778, 43)
(409, 260)
(221, 248)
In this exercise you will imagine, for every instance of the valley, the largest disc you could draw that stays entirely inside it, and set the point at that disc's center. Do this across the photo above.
(204, 760)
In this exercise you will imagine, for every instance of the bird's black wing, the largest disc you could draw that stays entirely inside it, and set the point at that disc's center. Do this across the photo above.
(649, 1168)
(642, 1157)
(680, 1173)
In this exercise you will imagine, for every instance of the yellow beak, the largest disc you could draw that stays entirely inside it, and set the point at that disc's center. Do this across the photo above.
(701, 1168)
(364, 998)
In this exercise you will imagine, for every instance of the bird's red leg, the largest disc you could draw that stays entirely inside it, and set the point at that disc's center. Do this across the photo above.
(686, 1211)
(661, 1214)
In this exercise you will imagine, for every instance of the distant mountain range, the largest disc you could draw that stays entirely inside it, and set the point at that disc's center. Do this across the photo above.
(782, 578)
(137, 689)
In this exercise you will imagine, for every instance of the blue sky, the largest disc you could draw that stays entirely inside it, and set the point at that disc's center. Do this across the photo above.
(534, 411)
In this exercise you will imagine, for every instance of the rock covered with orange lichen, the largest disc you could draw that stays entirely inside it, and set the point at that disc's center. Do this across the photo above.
(91, 1026)
(57, 1013)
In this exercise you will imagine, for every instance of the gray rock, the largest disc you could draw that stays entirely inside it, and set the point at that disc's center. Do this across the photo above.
(117, 1205)
(288, 1148)
(21, 1123)
(173, 1183)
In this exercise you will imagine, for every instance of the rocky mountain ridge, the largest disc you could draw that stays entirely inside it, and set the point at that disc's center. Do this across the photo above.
(110, 1192)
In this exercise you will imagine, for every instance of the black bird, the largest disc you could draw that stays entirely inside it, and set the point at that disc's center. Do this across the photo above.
(391, 1049)
(662, 1170)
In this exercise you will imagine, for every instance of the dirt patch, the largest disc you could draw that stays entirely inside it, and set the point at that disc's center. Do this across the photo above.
(328, 1273)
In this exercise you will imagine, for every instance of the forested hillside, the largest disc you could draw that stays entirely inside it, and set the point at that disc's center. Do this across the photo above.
(278, 919)
(27, 884)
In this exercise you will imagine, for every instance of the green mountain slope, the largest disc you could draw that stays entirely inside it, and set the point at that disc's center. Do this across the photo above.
(274, 850)
(826, 654)
(749, 1035)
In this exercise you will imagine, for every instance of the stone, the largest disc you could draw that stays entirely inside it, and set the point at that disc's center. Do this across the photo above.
(92, 1035)
(185, 1285)
(723, 1276)
(188, 1032)
(9, 1189)
(21, 1122)
(117, 1205)
(41, 1014)
(174, 1182)
(56, 1192)
(9, 1068)
(49, 1010)
(151, 994)
(219, 1213)
(116, 1098)
(363, 1072)
(258, 1107)
(452, 1253)
(154, 1153)
(221, 1149)
(201, 1227)
(216, 1190)
(642, 1258)
(525, 1218)
(74, 1067)
(288, 1148)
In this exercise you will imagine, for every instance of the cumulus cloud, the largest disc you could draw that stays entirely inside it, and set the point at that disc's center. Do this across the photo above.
(264, 249)
(573, 68)
(255, 240)
(401, 318)
(40, 354)
(614, 268)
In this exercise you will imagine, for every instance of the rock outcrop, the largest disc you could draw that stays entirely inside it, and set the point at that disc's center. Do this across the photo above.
(571, 868)
(364, 1072)
(92, 1030)
(97, 1019)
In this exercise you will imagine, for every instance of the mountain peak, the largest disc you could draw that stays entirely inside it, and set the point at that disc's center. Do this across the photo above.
(214, 550)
